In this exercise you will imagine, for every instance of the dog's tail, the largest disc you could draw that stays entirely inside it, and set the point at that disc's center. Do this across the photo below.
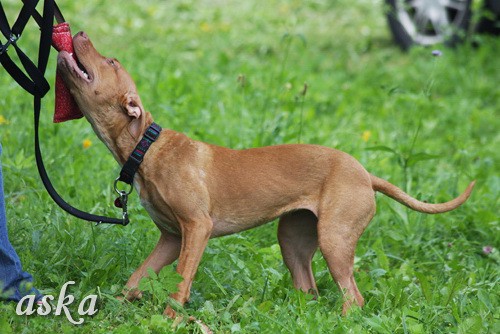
(399, 195)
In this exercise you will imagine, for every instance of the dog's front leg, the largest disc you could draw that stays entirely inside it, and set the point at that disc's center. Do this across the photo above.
(195, 235)
(165, 252)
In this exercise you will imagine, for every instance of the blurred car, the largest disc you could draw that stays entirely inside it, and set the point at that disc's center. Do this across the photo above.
(428, 22)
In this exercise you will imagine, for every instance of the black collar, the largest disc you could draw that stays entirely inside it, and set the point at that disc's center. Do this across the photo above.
(134, 161)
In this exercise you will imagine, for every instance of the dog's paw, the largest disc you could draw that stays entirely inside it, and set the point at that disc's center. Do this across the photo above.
(169, 312)
(129, 295)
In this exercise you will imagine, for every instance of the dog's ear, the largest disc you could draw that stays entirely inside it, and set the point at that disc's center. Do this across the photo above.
(132, 104)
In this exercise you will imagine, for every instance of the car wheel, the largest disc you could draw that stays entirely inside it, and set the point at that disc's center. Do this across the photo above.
(427, 22)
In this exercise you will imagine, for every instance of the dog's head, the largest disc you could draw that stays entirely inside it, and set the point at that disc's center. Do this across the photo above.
(102, 88)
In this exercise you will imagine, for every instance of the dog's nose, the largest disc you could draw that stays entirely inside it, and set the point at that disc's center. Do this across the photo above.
(83, 34)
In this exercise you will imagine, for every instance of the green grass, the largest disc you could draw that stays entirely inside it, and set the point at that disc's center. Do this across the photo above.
(233, 73)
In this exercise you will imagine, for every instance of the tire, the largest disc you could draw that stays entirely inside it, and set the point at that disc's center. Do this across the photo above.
(490, 24)
(428, 22)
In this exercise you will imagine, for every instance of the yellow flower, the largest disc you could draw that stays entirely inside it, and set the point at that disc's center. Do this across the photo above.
(3, 120)
(86, 143)
(366, 135)
(206, 27)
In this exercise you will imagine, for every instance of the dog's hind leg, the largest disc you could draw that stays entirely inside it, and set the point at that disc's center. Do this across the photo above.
(339, 227)
(165, 252)
(298, 239)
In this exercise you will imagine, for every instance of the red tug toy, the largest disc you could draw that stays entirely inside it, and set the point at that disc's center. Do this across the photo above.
(65, 106)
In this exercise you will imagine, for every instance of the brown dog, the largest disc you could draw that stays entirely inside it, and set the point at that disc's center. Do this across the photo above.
(195, 191)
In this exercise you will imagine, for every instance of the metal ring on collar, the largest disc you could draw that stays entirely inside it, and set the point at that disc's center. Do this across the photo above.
(122, 192)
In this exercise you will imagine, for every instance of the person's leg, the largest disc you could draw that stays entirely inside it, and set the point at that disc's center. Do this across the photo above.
(14, 282)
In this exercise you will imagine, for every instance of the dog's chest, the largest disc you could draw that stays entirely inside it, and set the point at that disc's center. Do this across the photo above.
(162, 219)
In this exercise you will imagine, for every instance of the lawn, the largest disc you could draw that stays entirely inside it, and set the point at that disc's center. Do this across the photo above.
(254, 73)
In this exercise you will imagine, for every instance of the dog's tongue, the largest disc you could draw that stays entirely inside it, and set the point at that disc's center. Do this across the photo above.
(65, 106)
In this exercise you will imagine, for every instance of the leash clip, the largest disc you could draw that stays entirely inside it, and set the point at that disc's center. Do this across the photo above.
(12, 40)
(121, 201)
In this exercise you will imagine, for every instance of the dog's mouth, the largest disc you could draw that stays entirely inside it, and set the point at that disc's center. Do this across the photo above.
(75, 66)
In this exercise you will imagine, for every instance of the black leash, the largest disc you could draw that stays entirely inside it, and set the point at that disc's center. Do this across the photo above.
(36, 84)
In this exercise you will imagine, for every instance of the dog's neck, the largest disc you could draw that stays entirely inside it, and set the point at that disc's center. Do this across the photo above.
(121, 138)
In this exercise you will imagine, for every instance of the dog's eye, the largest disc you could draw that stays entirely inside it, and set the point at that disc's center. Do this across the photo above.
(111, 61)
